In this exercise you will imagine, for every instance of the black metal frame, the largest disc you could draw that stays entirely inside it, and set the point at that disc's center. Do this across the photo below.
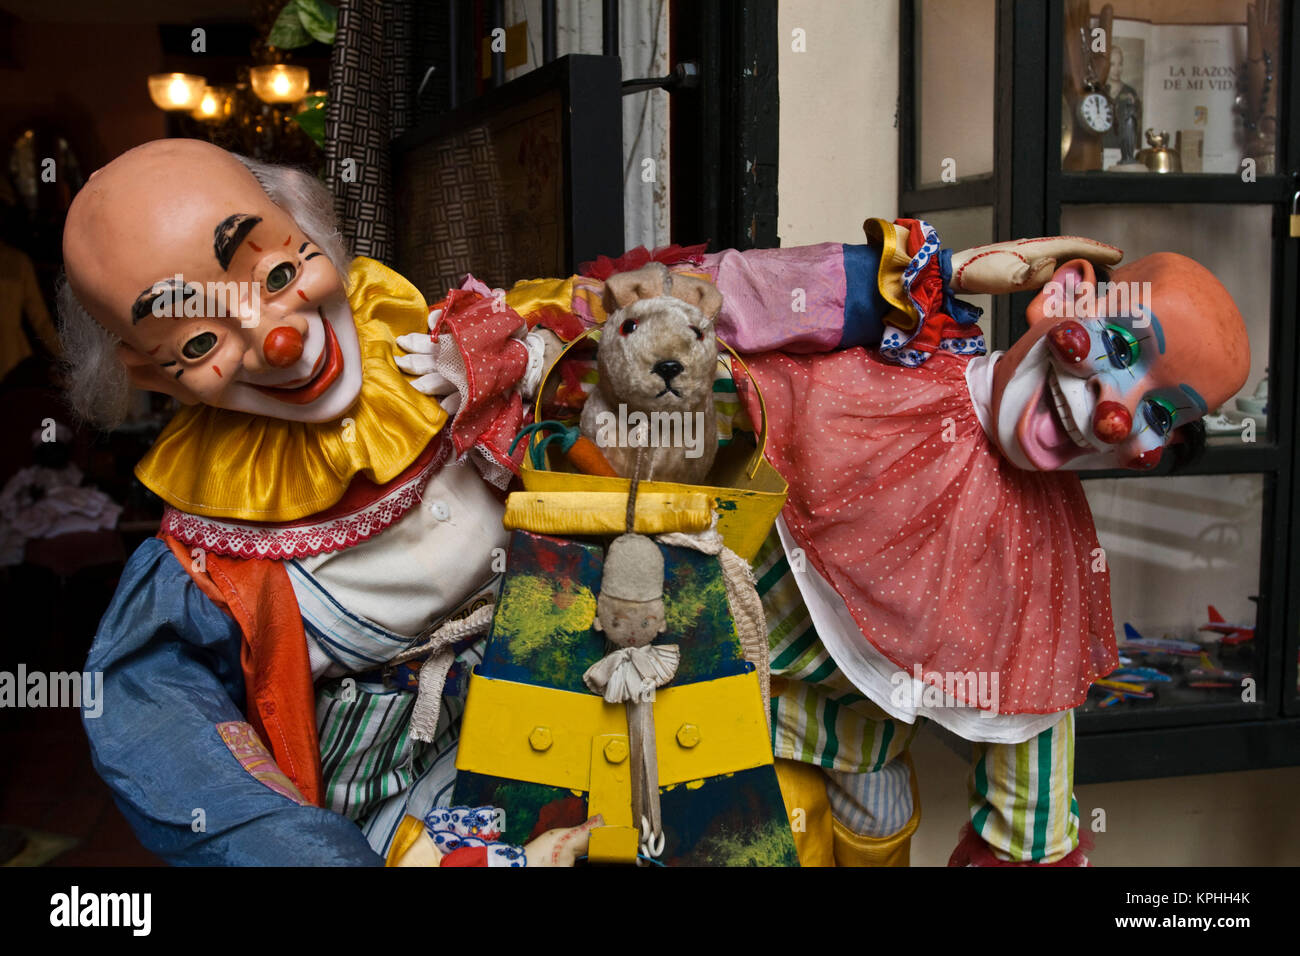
(725, 133)
(1026, 190)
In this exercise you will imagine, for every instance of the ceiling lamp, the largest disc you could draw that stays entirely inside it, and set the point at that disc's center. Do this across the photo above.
(280, 82)
(215, 105)
(176, 91)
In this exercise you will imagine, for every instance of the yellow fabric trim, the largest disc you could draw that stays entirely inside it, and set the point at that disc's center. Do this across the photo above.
(894, 260)
(530, 296)
(408, 833)
(605, 512)
(803, 788)
(854, 849)
(223, 464)
(543, 735)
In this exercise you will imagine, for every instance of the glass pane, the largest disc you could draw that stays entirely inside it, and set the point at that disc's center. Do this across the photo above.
(1181, 551)
(954, 89)
(1202, 76)
(1244, 266)
(961, 229)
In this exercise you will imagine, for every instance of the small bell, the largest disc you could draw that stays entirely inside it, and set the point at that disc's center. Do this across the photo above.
(1160, 157)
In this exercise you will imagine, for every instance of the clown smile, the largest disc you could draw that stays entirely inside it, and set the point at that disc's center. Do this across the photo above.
(327, 369)
(1048, 434)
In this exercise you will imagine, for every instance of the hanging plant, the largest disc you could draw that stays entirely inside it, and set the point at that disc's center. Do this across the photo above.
(300, 23)
(312, 118)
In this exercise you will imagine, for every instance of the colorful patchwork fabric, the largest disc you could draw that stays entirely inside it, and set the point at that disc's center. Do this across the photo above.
(947, 323)
(253, 756)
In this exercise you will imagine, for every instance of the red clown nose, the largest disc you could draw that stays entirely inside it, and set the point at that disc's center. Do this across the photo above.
(282, 347)
(1070, 342)
(1146, 460)
(1112, 422)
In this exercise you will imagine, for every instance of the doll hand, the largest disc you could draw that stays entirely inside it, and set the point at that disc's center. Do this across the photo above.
(562, 847)
(544, 347)
(1023, 264)
(423, 349)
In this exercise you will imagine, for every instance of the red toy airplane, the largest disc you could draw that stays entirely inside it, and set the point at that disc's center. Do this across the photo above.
(1233, 634)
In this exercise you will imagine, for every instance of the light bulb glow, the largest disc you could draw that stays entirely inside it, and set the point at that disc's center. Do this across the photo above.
(176, 91)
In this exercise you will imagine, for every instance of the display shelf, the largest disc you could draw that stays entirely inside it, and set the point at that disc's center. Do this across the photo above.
(1170, 188)
(1240, 230)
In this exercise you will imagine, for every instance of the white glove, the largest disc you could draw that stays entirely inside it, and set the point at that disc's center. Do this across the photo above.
(421, 363)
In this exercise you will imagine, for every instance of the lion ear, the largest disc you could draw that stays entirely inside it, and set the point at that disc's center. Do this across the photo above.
(654, 280)
(624, 288)
(700, 293)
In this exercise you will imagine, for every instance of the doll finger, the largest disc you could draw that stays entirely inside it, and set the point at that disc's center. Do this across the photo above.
(432, 384)
(1034, 274)
(415, 342)
(434, 316)
(415, 363)
(451, 403)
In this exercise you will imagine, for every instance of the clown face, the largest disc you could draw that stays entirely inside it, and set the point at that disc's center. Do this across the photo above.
(1106, 376)
(218, 295)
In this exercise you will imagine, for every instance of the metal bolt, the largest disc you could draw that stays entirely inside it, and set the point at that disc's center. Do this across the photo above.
(616, 751)
(540, 739)
(688, 735)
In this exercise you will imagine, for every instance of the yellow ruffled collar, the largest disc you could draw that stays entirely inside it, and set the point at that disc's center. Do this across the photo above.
(223, 464)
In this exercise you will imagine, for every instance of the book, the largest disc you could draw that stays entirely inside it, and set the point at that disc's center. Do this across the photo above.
(1186, 79)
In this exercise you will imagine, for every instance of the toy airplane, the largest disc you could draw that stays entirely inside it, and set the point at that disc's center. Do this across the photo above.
(1233, 634)
(1135, 643)
(1144, 674)
(1208, 676)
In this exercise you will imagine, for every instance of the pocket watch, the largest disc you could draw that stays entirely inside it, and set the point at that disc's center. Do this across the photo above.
(1095, 110)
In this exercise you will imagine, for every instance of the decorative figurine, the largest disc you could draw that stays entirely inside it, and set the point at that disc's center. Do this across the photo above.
(1128, 116)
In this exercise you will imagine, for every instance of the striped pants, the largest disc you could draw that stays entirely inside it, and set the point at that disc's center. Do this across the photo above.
(1021, 795)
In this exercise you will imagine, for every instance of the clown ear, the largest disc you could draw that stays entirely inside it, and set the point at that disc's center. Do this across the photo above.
(145, 373)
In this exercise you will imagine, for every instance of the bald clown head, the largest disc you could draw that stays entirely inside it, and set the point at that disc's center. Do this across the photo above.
(1112, 372)
(213, 291)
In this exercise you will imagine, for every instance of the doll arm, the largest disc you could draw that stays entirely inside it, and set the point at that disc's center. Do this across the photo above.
(168, 736)
(477, 358)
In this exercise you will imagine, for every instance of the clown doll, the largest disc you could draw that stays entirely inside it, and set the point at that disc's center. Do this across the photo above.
(936, 559)
(323, 519)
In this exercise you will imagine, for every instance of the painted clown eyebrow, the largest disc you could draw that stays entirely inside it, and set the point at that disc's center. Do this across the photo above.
(230, 232)
(143, 304)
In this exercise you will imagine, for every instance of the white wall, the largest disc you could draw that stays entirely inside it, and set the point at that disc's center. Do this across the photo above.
(839, 149)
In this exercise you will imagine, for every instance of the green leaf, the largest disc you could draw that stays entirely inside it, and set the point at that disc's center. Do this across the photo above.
(319, 18)
(289, 32)
(312, 119)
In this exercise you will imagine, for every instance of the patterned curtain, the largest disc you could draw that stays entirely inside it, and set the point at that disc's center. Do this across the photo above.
(370, 97)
